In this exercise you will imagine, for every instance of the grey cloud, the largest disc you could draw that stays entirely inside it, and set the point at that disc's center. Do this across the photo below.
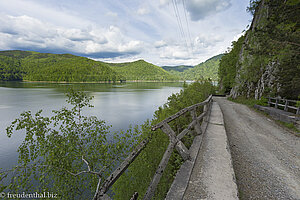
(199, 9)
(27, 33)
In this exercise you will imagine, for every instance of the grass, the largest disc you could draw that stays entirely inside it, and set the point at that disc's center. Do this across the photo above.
(290, 126)
(249, 102)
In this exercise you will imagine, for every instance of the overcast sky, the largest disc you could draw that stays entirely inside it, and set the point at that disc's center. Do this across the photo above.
(163, 32)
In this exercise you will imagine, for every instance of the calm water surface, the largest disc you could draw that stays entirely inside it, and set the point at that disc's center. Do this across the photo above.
(118, 104)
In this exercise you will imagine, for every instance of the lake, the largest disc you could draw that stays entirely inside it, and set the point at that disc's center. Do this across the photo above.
(118, 104)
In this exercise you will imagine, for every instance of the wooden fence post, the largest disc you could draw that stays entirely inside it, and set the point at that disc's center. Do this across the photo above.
(197, 126)
(276, 103)
(161, 167)
(286, 105)
(180, 147)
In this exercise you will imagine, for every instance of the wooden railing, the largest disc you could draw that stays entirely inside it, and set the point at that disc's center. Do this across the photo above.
(284, 103)
(175, 143)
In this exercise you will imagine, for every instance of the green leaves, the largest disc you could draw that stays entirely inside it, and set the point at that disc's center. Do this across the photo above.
(228, 64)
(67, 152)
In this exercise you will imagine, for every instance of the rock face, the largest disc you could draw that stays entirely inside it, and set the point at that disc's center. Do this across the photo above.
(244, 86)
(261, 68)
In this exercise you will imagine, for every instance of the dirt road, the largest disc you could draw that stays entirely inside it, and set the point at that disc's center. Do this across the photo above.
(266, 157)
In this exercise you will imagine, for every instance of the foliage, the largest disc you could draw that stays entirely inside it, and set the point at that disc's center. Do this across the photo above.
(253, 6)
(141, 70)
(179, 68)
(34, 66)
(67, 68)
(202, 71)
(141, 171)
(10, 69)
(228, 63)
(67, 153)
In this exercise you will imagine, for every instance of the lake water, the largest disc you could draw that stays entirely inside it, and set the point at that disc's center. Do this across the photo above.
(118, 104)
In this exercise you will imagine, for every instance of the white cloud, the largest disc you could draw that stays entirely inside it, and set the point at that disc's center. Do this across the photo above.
(175, 52)
(24, 31)
(121, 30)
(160, 43)
(112, 14)
(199, 9)
(164, 2)
(143, 11)
(207, 40)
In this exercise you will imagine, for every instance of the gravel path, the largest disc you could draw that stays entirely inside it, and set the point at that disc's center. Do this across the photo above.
(266, 157)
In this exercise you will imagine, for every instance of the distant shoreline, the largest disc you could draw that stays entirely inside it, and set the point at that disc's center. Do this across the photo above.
(130, 81)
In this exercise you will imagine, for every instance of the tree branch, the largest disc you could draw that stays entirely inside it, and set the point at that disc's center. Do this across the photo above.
(86, 162)
(97, 189)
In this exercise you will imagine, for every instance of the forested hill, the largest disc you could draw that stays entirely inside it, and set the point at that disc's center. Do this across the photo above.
(179, 68)
(203, 71)
(266, 61)
(34, 66)
(142, 70)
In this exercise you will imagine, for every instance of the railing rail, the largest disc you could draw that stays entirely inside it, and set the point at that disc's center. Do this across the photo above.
(284, 103)
(175, 143)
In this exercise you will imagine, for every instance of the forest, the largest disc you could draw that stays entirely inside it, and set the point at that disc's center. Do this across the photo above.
(34, 66)
(203, 71)
(142, 70)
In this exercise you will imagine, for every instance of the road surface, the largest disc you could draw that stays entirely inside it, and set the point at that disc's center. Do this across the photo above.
(266, 157)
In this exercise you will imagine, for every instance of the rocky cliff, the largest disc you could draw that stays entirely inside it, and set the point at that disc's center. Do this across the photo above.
(268, 62)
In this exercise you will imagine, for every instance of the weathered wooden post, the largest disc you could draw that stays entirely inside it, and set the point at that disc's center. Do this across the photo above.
(197, 126)
(162, 165)
(276, 103)
(269, 102)
(286, 105)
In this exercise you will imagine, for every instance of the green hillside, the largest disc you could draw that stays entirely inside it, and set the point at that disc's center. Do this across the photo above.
(205, 70)
(179, 68)
(33, 66)
(142, 70)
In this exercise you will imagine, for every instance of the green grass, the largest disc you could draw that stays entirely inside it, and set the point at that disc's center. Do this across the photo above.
(290, 126)
(250, 102)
